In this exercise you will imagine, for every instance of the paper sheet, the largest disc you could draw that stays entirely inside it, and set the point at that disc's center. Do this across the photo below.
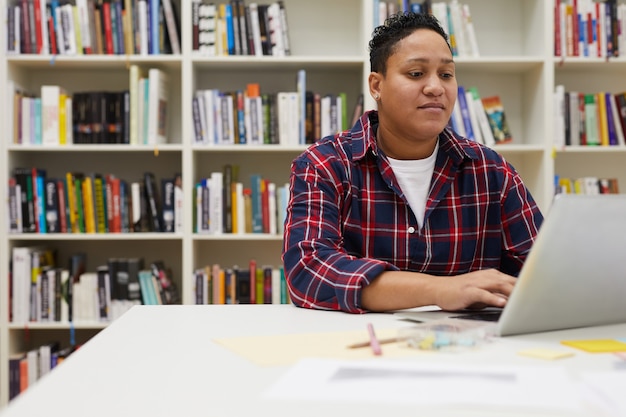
(428, 384)
(287, 349)
(609, 387)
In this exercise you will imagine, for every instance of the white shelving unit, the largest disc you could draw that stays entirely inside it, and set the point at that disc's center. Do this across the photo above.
(329, 40)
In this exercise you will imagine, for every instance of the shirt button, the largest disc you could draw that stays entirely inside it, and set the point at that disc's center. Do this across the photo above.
(411, 229)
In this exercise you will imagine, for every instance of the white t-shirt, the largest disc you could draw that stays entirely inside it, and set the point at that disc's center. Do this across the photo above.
(414, 178)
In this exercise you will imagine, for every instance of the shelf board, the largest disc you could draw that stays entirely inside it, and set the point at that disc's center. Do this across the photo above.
(58, 325)
(592, 149)
(587, 63)
(513, 148)
(250, 148)
(269, 62)
(88, 62)
(238, 237)
(94, 236)
(168, 147)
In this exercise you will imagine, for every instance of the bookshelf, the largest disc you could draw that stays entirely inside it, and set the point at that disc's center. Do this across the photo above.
(329, 40)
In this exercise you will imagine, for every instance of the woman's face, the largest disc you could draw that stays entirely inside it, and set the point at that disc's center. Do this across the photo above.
(418, 92)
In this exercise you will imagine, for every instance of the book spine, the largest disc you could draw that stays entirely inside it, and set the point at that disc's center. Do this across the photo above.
(63, 212)
(52, 206)
(167, 192)
(152, 198)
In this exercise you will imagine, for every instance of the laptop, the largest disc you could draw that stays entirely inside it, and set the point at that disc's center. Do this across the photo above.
(574, 275)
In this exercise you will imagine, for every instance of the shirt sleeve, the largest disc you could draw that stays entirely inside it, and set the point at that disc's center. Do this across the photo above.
(319, 272)
(521, 220)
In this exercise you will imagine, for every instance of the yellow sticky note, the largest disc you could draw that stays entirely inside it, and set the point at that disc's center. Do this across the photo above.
(550, 354)
(597, 345)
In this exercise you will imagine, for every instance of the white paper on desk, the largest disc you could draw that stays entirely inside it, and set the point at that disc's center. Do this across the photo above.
(608, 389)
(401, 382)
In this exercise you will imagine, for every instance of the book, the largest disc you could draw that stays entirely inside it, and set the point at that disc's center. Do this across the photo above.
(52, 213)
(253, 10)
(39, 200)
(50, 118)
(99, 191)
(172, 26)
(148, 293)
(497, 119)
(481, 117)
(591, 120)
(133, 266)
(157, 106)
(471, 110)
(139, 213)
(602, 119)
(465, 115)
(88, 204)
(168, 204)
(153, 202)
(207, 29)
(23, 178)
(104, 293)
(15, 206)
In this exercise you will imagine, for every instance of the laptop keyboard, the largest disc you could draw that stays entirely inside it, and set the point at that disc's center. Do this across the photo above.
(483, 316)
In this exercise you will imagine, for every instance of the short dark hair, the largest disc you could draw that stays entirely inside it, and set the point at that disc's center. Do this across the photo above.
(396, 28)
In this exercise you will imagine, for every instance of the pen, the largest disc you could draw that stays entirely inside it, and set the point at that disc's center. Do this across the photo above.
(373, 340)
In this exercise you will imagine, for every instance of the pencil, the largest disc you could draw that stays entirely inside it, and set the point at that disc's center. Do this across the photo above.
(373, 340)
(366, 344)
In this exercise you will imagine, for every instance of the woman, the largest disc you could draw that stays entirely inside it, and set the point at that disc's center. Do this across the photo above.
(399, 211)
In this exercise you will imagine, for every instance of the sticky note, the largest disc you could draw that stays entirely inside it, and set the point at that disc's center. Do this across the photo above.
(597, 345)
(549, 354)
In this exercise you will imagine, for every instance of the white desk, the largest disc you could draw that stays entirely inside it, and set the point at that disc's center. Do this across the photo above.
(162, 361)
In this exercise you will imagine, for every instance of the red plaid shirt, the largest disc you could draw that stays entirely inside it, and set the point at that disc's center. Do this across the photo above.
(348, 220)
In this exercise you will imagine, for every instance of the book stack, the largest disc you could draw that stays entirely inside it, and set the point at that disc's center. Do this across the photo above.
(237, 28)
(480, 118)
(587, 28)
(589, 119)
(455, 18)
(114, 27)
(254, 284)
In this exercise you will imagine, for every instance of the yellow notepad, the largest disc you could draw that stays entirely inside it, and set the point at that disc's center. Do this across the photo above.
(597, 345)
(549, 354)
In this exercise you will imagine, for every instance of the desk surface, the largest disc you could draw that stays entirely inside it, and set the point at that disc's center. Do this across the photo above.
(164, 361)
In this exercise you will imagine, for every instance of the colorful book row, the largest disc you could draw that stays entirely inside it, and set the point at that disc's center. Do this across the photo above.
(455, 18)
(249, 117)
(589, 119)
(588, 28)
(92, 203)
(236, 28)
(224, 205)
(55, 117)
(42, 291)
(586, 185)
(115, 27)
(254, 284)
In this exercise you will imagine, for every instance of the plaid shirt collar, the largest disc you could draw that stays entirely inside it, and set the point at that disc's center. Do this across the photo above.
(363, 138)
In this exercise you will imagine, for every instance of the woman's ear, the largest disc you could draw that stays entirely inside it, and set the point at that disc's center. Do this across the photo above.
(374, 82)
